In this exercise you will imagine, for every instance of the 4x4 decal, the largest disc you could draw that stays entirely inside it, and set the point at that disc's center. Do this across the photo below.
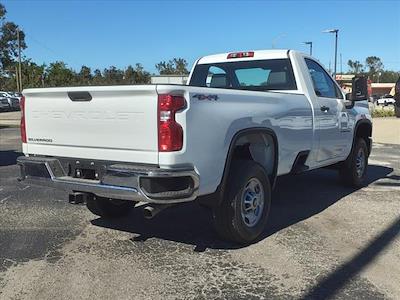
(206, 97)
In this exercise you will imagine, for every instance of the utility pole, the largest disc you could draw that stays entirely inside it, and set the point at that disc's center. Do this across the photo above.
(341, 65)
(16, 77)
(19, 62)
(336, 34)
(335, 31)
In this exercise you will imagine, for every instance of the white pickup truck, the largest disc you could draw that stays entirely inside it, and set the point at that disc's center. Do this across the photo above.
(243, 119)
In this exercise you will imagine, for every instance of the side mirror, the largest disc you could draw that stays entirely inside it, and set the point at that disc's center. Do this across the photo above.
(397, 90)
(359, 89)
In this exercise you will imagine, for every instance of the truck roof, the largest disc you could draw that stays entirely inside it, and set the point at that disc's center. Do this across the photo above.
(258, 55)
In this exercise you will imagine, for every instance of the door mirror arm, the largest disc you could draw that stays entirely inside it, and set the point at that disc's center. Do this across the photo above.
(349, 104)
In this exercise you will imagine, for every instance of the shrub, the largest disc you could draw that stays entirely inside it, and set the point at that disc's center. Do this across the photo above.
(383, 112)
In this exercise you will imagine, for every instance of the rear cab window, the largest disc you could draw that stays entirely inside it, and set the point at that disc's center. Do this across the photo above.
(256, 75)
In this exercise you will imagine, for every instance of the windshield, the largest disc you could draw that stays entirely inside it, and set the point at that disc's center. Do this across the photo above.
(259, 75)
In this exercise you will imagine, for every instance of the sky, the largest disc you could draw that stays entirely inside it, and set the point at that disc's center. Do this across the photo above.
(99, 34)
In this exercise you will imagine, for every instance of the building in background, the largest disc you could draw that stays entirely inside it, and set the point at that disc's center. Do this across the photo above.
(169, 79)
(383, 88)
(378, 89)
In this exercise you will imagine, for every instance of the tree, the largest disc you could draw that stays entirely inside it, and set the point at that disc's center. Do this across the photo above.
(58, 74)
(181, 66)
(177, 66)
(32, 74)
(112, 75)
(165, 68)
(129, 75)
(9, 42)
(2, 12)
(374, 65)
(98, 78)
(84, 76)
(136, 75)
(389, 76)
(355, 67)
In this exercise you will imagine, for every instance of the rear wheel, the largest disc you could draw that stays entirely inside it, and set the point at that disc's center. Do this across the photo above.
(108, 208)
(243, 212)
(354, 169)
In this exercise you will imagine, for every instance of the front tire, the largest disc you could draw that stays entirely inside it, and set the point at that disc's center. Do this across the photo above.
(397, 110)
(354, 169)
(243, 212)
(108, 208)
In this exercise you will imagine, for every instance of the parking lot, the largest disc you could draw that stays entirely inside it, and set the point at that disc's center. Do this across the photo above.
(323, 240)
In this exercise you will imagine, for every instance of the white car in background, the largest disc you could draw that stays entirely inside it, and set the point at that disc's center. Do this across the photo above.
(12, 100)
(386, 100)
(4, 104)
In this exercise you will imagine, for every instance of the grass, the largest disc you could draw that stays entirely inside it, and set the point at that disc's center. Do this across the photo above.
(382, 112)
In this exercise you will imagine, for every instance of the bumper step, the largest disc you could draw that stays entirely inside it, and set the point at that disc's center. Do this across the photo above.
(119, 181)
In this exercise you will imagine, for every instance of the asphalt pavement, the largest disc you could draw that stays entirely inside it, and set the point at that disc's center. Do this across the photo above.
(323, 241)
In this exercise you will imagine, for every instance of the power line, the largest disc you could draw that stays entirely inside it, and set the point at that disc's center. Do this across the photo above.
(30, 36)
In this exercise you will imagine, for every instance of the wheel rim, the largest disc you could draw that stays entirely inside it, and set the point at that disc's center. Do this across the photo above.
(360, 162)
(252, 202)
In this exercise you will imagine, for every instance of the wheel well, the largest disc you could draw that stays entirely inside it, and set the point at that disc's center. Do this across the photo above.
(364, 130)
(259, 146)
(248, 144)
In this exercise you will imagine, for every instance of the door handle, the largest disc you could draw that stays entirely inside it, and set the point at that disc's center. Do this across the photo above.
(79, 96)
(324, 108)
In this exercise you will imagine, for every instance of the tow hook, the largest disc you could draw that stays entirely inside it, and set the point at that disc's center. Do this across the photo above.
(151, 210)
(78, 198)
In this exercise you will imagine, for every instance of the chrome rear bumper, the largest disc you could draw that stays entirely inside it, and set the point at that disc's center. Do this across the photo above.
(119, 181)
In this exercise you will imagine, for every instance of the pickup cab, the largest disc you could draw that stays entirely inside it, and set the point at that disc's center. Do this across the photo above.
(242, 120)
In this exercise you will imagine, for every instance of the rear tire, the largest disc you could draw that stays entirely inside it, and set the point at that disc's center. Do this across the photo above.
(354, 169)
(243, 212)
(108, 208)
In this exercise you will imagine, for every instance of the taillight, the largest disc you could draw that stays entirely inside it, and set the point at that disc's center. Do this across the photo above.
(241, 54)
(23, 126)
(170, 133)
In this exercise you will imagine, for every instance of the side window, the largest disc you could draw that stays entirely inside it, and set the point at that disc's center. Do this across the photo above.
(323, 83)
(216, 78)
(339, 93)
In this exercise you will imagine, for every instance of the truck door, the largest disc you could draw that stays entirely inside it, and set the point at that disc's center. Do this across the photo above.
(332, 120)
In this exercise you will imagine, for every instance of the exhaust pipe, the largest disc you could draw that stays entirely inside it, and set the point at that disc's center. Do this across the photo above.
(151, 210)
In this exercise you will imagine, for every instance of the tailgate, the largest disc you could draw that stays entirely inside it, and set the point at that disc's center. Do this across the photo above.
(118, 123)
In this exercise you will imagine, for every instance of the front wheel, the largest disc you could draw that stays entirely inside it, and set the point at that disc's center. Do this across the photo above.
(108, 208)
(243, 212)
(354, 169)
(397, 110)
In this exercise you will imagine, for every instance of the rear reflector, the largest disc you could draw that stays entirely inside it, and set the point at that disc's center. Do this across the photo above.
(23, 126)
(170, 132)
(241, 54)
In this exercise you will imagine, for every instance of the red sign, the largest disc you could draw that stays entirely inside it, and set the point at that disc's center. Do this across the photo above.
(369, 87)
